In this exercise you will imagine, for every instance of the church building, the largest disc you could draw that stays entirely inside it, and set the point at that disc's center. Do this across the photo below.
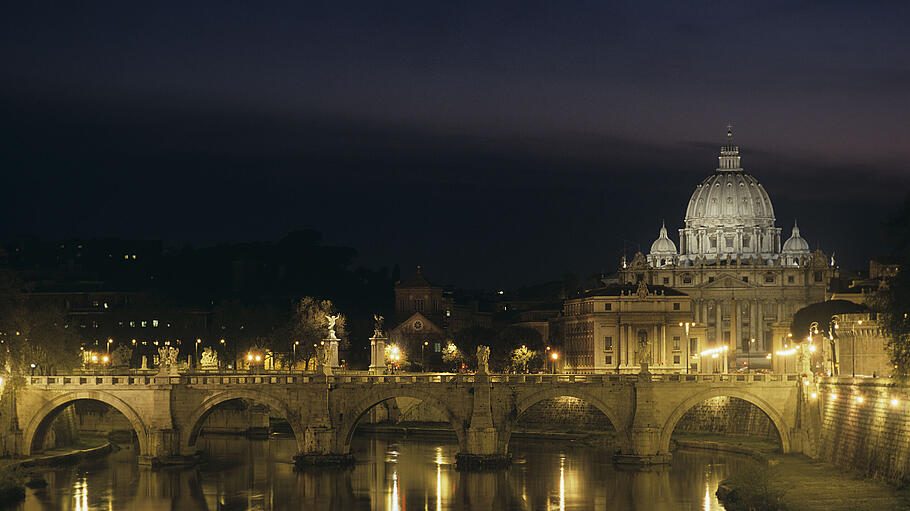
(744, 282)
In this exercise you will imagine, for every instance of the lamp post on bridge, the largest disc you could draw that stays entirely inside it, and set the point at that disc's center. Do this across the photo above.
(749, 354)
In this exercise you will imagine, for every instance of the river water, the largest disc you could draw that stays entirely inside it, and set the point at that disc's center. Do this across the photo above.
(392, 473)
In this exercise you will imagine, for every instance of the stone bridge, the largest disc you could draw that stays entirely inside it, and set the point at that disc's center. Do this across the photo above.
(167, 411)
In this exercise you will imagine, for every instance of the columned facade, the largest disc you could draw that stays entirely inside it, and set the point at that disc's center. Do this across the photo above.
(606, 329)
(732, 263)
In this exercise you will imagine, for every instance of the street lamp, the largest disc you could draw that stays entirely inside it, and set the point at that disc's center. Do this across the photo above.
(196, 355)
(749, 354)
(554, 357)
(853, 350)
(109, 341)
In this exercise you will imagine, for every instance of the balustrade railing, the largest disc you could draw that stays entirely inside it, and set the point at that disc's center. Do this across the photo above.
(362, 378)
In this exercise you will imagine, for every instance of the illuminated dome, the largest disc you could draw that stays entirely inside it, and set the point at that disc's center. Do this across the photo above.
(663, 250)
(730, 198)
(729, 214)
(795, 249)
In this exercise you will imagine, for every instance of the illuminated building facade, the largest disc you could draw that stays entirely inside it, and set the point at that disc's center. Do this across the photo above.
(603, 330)
(741, 279)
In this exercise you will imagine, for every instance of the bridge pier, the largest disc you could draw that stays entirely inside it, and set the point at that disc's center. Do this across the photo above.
(645, 434)
(320, 443)
(164, 448)
(482, 441)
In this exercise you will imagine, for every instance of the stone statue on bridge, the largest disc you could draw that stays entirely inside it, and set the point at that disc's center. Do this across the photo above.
(644, 351)
(209, 358)
(167, 359)
(377, 326)
(324, 359)
(331, 321)
(121, 356)
(172, 354)
(483, 359)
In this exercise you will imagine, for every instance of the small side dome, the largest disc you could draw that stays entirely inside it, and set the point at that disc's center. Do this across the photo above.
(663, 250)
(795, 250)
(796, 244)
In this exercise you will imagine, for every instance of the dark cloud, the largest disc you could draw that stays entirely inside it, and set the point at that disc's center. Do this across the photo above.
(499, 144)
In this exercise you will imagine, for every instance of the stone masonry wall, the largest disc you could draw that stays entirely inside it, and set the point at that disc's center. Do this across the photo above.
(871, 435)
(415, 410)
(728, 415)
(564, 413)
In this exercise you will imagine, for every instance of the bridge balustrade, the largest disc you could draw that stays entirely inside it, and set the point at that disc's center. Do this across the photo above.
(300, 378)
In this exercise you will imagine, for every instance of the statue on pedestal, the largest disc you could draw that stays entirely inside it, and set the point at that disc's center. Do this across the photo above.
(121, 356)
(377, 326)
(644, 352)
(331, 321)
(803, 361)
(209, 358)
(172, 354)
(323, 358)
(483, 359)
(167, 359)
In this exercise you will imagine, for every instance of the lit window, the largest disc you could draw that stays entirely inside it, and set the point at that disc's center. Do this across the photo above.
(144, 324)
(437, 347)
(134, 256)
(132, 324)
(155, 322)
(126, 256)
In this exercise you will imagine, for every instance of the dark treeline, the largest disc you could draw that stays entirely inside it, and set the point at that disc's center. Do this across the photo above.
(246, 292)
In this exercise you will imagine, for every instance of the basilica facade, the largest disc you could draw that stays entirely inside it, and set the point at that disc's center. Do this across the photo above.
(743, 281)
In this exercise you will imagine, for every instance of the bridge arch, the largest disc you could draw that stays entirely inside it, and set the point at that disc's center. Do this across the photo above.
(622, 432)
(783, 430)
(198, 416)
(42, 419)
(356, 413)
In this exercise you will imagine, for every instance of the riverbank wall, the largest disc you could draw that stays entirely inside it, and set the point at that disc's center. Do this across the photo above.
(865, 426)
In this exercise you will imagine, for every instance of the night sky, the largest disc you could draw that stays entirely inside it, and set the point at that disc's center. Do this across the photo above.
(495, 144)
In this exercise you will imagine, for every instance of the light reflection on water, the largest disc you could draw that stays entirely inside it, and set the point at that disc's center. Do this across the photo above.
(392, 473)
